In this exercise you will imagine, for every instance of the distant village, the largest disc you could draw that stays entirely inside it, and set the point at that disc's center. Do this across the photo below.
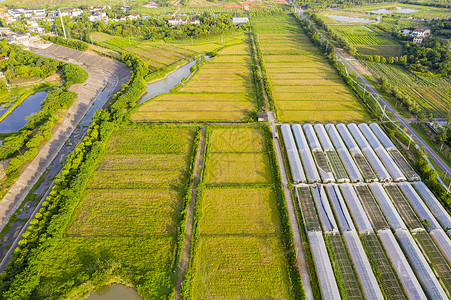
(417, 35)
(35, 16)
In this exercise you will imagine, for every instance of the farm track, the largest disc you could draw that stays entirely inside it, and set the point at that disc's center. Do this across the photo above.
(297, 240)
(186, 248)
(103, 75)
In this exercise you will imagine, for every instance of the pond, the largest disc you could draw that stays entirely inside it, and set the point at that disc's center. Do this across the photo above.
(18, 117)
(396, 10)
(115, 292)
(350, 19)
(166, 84)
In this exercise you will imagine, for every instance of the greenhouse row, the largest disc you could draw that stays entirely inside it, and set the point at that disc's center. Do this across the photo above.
(342, 212)
(343, 153)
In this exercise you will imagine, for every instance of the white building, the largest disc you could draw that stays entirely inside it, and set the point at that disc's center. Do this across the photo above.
(240, 21)
(26, 12)
(76, 12)
(421, 32)
(133, 17)
(178, 21)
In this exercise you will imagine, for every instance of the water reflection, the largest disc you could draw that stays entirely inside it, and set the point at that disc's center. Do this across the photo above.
(18, 117)
(397, 10)
(350, 19)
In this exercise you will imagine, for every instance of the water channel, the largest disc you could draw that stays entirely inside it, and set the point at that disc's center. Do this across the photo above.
(350, 19)
(396, 10)
(18, 117)
(166, 84)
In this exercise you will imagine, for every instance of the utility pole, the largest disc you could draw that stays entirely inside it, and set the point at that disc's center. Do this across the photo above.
(62, 23)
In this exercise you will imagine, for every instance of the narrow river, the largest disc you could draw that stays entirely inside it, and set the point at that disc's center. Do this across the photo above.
(165, 85)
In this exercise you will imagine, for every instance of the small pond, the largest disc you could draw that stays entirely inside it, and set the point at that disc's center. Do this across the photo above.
(18, 117)
(115, 292)
(396, 10)
(350, 19)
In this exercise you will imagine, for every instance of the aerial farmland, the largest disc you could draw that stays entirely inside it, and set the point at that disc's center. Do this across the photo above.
(262, 174)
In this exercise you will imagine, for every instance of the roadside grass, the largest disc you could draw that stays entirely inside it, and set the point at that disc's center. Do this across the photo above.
(304, 86)
(221, 91)
(127, 222)
(238, 250)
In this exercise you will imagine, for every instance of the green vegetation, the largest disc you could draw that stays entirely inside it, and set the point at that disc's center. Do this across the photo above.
(21, 278)
(23, 146)
(145, 171)
(157, 55)
(369, 40)
(240, 236)
(419, 94)
(23, 63)
(302, 84)
(221, 90)
(74, 44)
(420, 10)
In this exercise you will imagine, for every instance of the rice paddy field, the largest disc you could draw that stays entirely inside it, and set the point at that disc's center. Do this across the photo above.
(137, 191)
(432, 94)
(156, 54)
(238, 251)
(369, 40)
(221, 91)
(305, 88)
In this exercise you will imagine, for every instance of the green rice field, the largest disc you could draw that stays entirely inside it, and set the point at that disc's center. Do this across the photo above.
(156, 54)
(238, 251)
(127, 219)
(305, 88)
(220, 91)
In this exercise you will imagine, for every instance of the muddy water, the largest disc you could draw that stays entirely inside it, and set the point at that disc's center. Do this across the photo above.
(115, 292)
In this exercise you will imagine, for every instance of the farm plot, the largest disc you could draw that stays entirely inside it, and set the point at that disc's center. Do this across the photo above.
(433, 95)
(304, 86)
(156, 55)
(369, 40)
(221, 91)
(238, 251)
(343, 267)
(130, 212)
(381, 266)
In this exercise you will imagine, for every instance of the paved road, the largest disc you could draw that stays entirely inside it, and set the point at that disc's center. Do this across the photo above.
(105, 78)
(404, 122)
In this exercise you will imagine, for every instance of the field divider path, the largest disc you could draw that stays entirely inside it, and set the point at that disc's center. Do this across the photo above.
(186, 248)
(260, 80)
(301, 259)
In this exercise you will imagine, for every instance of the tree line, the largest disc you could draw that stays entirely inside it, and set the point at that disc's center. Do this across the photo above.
(152, 28)
(23, 146)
